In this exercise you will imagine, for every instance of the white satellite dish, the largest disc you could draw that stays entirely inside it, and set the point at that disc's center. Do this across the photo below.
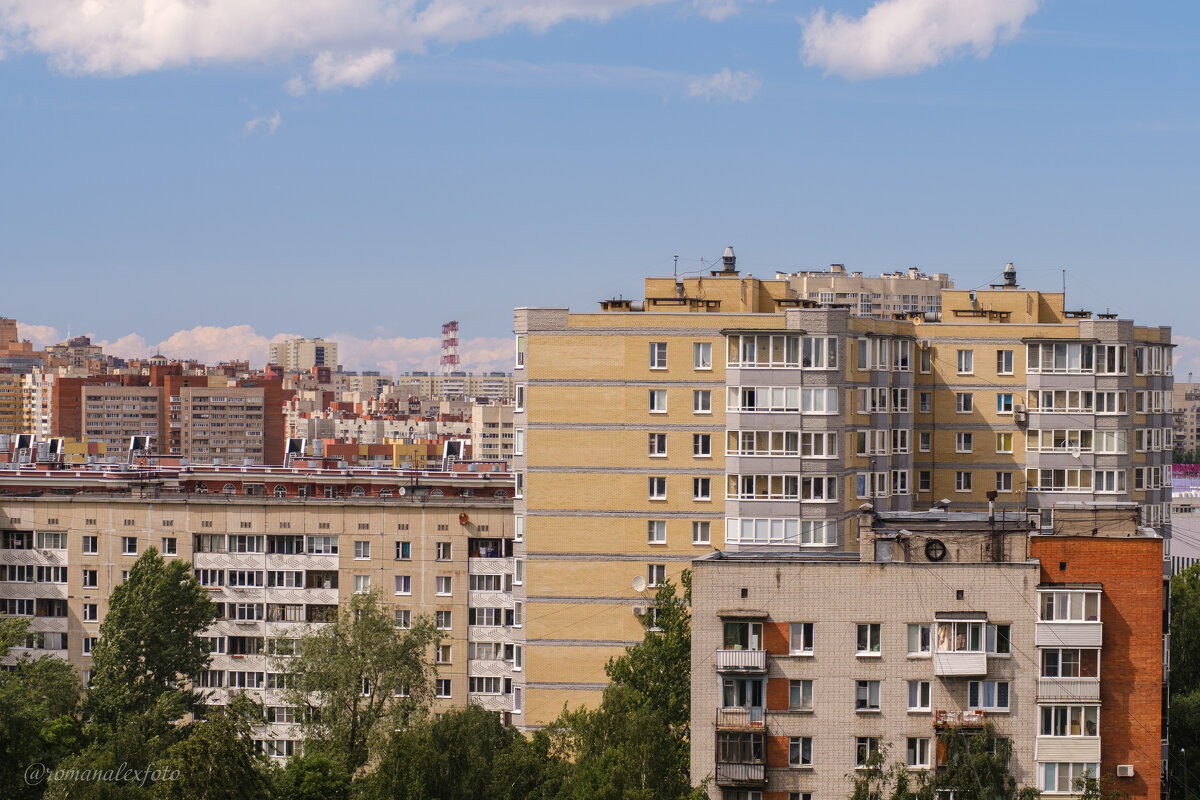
(639, 584)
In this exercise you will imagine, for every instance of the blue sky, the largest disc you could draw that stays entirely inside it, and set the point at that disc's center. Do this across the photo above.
(203, 180)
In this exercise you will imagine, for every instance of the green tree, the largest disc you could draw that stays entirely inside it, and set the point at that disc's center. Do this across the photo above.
(1184, 753)
(312, 776)
(39, 713)
(217, 758)
(360, 678)
(635, 745)
(150, 643)
(975, 765)
(462, 755)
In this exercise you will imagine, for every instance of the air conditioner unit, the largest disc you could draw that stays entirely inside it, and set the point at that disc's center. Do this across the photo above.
(639, 611)
(1124, 770)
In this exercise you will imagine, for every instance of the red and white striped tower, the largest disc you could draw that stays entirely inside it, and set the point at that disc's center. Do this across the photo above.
(450, 347)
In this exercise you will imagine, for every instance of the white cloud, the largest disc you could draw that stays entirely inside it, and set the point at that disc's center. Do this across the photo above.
(717, 10)
(394, 355)
(739, 87)
(39, 335)
(1186, 358)
(271, 124)
(902, 37)
(349, 42)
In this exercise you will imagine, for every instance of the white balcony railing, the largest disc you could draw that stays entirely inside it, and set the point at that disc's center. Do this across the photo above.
(742, 660)
(1068, 689)
(1069, 634)
(959, 664)
(739, 717)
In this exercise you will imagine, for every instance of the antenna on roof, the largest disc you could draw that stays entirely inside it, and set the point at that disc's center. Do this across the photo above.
(677, 266)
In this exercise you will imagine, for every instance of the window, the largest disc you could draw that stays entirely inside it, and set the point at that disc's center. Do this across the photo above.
(868, 638)
(129, 545)
(924, 441)
(1004, 482)
(818, 401)
(918, 753)
(900, 401)
(402, 618)
(658, 355)
(169, 546)
(1004, 442)
(658, 445)
(1004, 403)
(701, 355)
(988, 695)
(403, 551)
(90, 545)
(656, 574)
(362, 550)
(864, 748)
(819, 352)
(919, 639)
(444, 551)
(441, 687)
(88, 643)
(701, 488)
(964, 442)
(925, 402)
(926, 360)
(322, 545)
(1004, 362)
(1070, 721)
(403, 584)
(919, 696)
(658, 401)
(701, 445)
(800, 751)
(701, 533)
(522, 343)
(1052, 357)
(1060, 777)
(966, 362)
(89, 579)
(800, 695)
(924, 480)
(486, 617)
(441, 620)
(1070, 606)
(957, 637)
(656, 531)
(964, 402)
(90, 613)
(362, 584)
(815, 445)
(442, 584)
(764, 351)
(1110, 481)
(658, 488)
(866, 695)
(998, 638)
(962, 481)
(801, 640)
(702, 401)
(519, 400)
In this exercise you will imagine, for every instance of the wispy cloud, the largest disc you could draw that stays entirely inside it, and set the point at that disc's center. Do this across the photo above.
(1186, 358)
(902, 37)
(738, 87)
(718, 10)
(269, 124)
(347, 43)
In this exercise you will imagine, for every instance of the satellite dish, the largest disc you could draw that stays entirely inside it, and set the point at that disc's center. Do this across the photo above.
(639, 584)
(403, 491)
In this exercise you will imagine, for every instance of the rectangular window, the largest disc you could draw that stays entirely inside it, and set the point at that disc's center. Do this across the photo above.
(924, 480)
(962, 481)
(1004, 362)
(442, 584)
(656, 574)
(402, 618)
(966, 362)
(658, 445)
(800, 695)
(522, 342)
(1061, 777)
(362, 550)
(701, 445)
(362, 584)
(1069, 606)
(658, 355)
(129, 545)
(658, 401)
(926, 360)
(919, 695)
(701, 355)
(658, 488)
(442, 620)
(925, 402)
(702, 401)
(701, 488)
(988, 695)
(403, 551)
(963, 442)
(919, 639)
(800, 751)
(924, 441)
(403, 584)
(444, 551)
(801, 639)
(819, 352)
(90, 613)
(656, 531)
(441, 687)
(519, 400)
(1004, 482)
(169, 546)
(964, 402)
(1004, 403)
(1004, 442)
(868, 638)
(999, 638)
(864, 748)
(90, 545)
(89, 579)
(701, 533)
(866, 695)
(917, 753)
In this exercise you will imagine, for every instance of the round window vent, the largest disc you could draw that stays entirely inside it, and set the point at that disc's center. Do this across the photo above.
(935, 550)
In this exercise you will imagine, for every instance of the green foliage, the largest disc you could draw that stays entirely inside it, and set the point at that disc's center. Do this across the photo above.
(870, 781)
(465, 754)
(312, 776)
(150, 642)
(216, 758)
(1090, 788)
(39, 714)
(362, 648)
(635, 746)
(1184, 753)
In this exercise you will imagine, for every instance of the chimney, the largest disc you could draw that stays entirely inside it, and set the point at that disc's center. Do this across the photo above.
(729, 260)
(837, 269)
(1010, 275)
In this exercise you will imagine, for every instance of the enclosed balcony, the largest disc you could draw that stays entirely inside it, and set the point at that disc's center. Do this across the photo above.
(959, 647)
(1069, 616)
(740, 717)
(741, 758)
(1065, 690)
(958, 719)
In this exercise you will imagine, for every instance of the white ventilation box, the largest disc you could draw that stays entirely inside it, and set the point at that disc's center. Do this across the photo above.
(1124, 770)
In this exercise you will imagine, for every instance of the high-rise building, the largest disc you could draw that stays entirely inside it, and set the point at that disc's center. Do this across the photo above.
(11, 418)
(278, 552)
(727, 412)
(869, 296)
(1186, 415)
(936, 625)
(301, 355)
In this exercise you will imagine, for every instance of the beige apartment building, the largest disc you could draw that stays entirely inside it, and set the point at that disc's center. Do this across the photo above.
(491, 385)
(301, 355)
(278, 550)
(492, 431)
(1186, 400)
(870, 296)
(726, 412)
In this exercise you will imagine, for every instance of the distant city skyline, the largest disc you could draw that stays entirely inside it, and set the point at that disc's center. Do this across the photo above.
(366, 170)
